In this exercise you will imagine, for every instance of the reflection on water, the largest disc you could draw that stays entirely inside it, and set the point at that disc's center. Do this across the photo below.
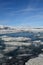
(20, 54)
(31, 35)
(2, 45)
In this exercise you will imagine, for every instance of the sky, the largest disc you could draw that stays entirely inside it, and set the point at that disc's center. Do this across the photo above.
(21, 13)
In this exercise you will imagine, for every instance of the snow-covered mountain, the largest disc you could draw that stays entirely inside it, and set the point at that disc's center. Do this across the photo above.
(12, 29)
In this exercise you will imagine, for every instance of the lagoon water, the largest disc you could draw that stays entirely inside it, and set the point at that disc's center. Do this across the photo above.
(31, 35)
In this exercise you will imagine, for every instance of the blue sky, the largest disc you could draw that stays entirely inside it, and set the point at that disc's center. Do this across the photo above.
(21, 13)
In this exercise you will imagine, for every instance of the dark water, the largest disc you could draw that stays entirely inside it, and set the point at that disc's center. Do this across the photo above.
(24, 34)
(14, 53)
(19, 34)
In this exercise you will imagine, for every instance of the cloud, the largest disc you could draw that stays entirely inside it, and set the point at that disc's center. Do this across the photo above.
(21, 13)
(25, 11)
(9, 6)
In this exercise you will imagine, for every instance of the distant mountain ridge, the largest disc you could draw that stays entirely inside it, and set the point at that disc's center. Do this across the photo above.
(12, 29)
